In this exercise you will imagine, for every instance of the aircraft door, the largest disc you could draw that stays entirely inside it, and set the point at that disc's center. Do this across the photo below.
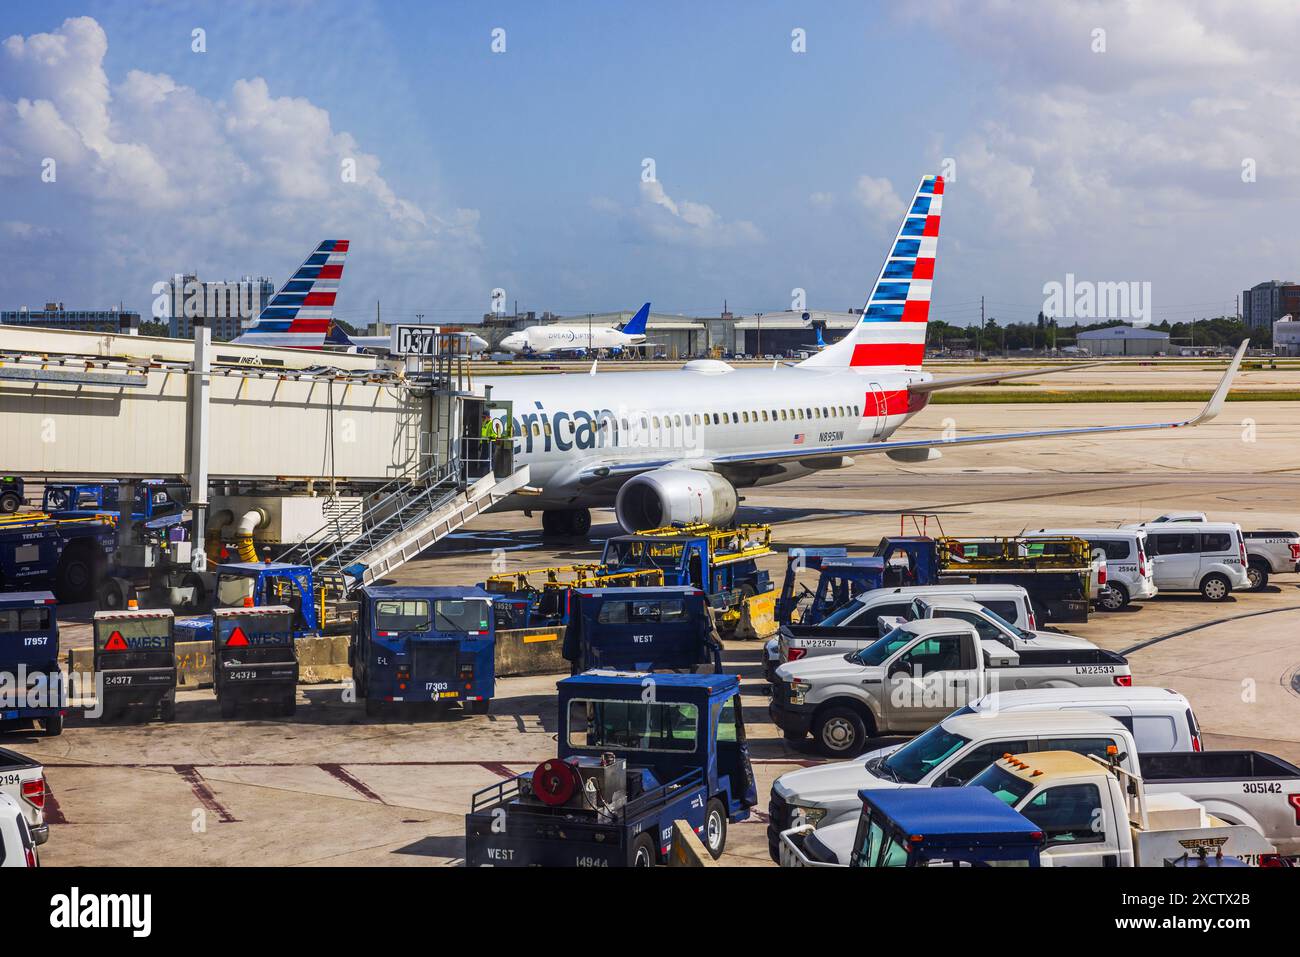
(877, 406)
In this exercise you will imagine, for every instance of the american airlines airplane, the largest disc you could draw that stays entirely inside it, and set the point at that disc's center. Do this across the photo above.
(663, 447)
(301, 313)
(567, 338)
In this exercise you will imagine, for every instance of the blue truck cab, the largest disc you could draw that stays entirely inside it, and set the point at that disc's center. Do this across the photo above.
(424, 644)
(153, 504)
(942, 827)
(641, 629)
(67, 556)
(265, 584)
(636, 752)
(32, 687)
(723, 563)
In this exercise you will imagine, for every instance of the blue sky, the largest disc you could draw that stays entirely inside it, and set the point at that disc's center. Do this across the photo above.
(523, 169)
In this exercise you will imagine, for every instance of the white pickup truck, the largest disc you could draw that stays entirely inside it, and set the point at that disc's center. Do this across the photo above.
(914, 676)
(796, 642)
(1090, 811)
(24, 781)
(1268, 552)
(1242, 787)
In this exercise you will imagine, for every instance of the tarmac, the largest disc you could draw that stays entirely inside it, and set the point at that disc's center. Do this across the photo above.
(331, 787)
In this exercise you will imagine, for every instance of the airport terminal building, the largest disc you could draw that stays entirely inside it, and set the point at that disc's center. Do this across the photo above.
(1124, 341)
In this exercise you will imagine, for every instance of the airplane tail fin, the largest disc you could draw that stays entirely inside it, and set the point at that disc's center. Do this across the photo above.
(636, 325)
(337, 337)
(891, 332)
(301, 314)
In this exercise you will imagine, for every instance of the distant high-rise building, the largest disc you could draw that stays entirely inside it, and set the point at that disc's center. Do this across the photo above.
(227, 307)
(1264, 304)
(55, 316)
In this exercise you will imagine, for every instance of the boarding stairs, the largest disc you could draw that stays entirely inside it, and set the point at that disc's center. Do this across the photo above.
(378, 535)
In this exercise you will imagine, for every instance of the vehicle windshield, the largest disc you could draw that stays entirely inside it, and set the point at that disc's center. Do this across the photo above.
(402, 615)
(632, 725)
(24, 619)
(878, 651)
(836, 617)
(233, 589)
(444, 614)
(914, 760)
(997, 619)
(1002, 784)
(643, 553)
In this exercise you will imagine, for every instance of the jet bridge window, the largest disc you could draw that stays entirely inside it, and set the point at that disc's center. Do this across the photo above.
(632, 725)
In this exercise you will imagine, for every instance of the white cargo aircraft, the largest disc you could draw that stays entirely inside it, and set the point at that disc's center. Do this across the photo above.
(567, 338)
(666, 447)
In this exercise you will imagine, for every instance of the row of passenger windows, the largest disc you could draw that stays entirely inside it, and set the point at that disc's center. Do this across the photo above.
(746, 417)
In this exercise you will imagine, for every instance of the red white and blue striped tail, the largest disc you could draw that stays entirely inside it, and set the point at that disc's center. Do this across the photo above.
(891, 333)
(299, 315)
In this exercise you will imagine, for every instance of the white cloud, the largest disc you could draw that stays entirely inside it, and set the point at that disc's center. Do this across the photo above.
(679, 222)
(248, 183)
(877, 196)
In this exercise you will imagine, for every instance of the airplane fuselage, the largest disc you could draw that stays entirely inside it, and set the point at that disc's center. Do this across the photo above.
(566, 338)
(563, 424)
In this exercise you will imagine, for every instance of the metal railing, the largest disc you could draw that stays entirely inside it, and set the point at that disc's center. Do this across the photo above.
(366, 524)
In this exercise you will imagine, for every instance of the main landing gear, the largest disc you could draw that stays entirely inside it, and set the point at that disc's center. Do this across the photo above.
(557, 523)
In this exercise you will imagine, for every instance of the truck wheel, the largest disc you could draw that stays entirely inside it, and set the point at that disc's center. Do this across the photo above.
(9, 502)
(840, 732)
(1216, 587)
(288, 707)
(1257, 571)
(1112, 597)
(167, 709)
(372, 707)
(113, 594)
(75, 577)
(642, 853)
(715, 828)
(228, 708)
(53, 726)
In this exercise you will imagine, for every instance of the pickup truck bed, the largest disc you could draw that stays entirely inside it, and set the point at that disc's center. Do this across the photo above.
(19, 774)
(1177, 767)
(1240, 787)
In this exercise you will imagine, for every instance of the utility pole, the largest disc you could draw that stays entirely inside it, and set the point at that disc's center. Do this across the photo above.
(979, 342)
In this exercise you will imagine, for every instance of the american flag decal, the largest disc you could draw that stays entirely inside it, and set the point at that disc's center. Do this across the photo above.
(798, 439)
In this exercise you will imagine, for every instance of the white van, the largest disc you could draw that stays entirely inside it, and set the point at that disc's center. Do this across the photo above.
(1010, 602)
(1129, 575)
(1209, 557)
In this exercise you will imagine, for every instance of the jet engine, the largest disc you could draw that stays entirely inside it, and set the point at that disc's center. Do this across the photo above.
(671, 495)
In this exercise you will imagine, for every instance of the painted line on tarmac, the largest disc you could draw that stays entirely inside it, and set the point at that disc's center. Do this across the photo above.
(203, 792)
(1206, 624)
(339, 773)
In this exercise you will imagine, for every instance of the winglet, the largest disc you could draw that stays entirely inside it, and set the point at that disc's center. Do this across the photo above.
(1215, 405)
(636, 325)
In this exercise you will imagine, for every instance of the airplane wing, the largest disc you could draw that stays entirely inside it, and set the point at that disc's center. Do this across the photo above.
(910, 449)
(936, 384)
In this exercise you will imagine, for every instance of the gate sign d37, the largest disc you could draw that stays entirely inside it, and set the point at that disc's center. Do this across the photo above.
(414, 340)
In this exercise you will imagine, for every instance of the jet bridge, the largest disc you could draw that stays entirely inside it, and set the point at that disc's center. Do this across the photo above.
(386, 455)
(92, 405)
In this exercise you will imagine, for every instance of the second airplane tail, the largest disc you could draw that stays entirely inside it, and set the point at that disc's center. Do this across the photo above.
(300, 315)
(891, 332)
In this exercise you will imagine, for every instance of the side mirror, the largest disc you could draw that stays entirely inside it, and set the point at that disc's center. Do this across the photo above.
(900, 667)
